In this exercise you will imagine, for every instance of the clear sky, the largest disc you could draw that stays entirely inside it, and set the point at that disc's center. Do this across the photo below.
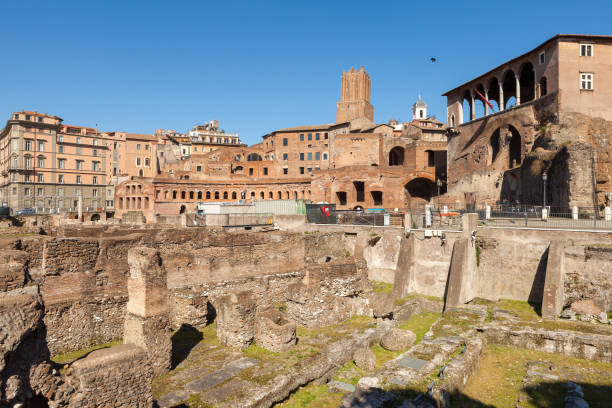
(258, 66)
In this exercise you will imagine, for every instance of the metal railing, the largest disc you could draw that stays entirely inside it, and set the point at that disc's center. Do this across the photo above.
(583, 218)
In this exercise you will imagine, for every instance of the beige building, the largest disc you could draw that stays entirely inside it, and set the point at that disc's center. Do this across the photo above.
(47, 166)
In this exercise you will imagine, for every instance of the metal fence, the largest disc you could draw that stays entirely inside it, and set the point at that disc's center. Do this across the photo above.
(327, 214)
(584, 218)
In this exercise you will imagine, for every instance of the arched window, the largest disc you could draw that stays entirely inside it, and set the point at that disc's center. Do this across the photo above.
(174, 194)
(234, 195)
(191, 195)
(452, 120)
(543, 86)
(216, 195)
(225, 195)
(208, 195)
(199, 195)
(253, 157)
(261, 194)
(396, 156)
(271, 195)
(182, 195)
(140, 173)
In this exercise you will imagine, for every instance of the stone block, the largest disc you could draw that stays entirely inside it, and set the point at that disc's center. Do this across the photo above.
(552, 299)
(404, 273)
(397, 339)
(383, 304)
(365, 359)
(236, 319)
(273, 331)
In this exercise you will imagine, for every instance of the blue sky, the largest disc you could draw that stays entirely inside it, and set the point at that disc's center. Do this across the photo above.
(258, 66)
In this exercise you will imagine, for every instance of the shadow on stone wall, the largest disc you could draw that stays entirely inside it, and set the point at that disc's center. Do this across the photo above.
(537, 287)
(183, 341)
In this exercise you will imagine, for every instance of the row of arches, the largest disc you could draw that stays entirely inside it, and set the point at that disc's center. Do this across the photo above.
(509, 90)
(215, 195)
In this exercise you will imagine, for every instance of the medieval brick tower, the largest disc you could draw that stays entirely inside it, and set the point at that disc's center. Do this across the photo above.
(355, 97)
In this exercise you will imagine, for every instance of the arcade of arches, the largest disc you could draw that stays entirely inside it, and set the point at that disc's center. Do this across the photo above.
(511, 88)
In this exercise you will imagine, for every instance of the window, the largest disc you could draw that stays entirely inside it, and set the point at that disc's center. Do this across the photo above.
(60, 138)
(285, 156)
(28, 117)
(586, 81)
(94, 152)
(324, 156)
(198, 168)
(60, 192)
(147, 162)
(310, 136)
(40, 119)
(28, 145)
(79, 150)
(95, 179)
(41, 146)
(78, 179)
(27, 191)
(301, 137)
(542, 58)
(79, 164)
(285, 171)
(309, 156)
(41, 178)
(138, 161)
(60, 149)
(310, 170)
(41, 162)
(317, 136)
(61, 163)
(586, 50)
(326, 136)
(96, 166)
(285, 142)
(94, 192)
(317, 156)
(60, 179)
(250, 171)
(28, 162)
(26, 178)
(138, 146)
(301, 170)
(95, 142)
(78, 140)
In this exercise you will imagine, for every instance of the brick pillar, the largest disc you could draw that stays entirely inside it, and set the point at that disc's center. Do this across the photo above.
(147, 318)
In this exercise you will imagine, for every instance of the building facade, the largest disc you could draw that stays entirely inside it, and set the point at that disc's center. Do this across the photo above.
(48, 166)
(527, 117)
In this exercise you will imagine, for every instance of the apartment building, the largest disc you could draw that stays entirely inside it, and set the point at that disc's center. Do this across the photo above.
(47, 165)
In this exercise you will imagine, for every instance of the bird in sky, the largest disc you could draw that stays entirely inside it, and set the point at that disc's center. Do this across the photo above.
(433, 59)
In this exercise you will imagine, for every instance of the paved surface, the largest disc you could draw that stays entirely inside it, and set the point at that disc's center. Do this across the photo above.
(209, 381)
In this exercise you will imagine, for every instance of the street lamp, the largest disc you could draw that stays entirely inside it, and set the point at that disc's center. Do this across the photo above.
(438, 184)
(544, 178)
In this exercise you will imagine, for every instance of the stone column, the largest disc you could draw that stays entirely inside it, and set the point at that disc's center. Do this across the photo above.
(472, 107)
(486, 105)
(147, 319)
(80, 207)
(236, 319)
(552, 298)
(518, 91)
(501, 96)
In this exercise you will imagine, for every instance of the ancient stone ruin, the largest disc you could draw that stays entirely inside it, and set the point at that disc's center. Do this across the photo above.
(134, 317)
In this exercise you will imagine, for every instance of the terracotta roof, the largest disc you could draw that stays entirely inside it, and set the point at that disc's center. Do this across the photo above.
(138, 136)
(306, 128)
